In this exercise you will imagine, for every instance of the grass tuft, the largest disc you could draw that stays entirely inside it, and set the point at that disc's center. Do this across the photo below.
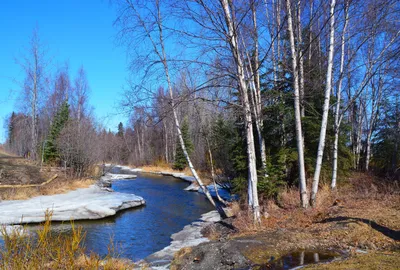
(48, 250)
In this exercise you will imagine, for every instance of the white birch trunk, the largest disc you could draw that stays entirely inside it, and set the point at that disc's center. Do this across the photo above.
(325, 112)
(252, 177)
(166, 141)
(34, 97)
(376, 99)
(213, 172)
(163, 58)
(301, 59)
(360, 120)
(338, 97)
(299, 132)
(256, 78)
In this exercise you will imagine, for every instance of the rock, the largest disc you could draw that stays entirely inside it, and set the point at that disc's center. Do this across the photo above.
(190, 236)
(87, 203)
(221, 229)
(213, 255)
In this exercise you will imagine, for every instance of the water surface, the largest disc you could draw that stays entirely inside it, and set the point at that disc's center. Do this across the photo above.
(139, 232)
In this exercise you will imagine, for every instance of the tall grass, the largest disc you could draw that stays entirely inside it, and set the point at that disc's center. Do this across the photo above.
(48, 250)
(58, 186)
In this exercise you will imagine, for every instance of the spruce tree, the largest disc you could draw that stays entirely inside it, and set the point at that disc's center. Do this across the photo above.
(11, 128)
(123, 150)
(180, 159)
(50, 151)
(120, 132)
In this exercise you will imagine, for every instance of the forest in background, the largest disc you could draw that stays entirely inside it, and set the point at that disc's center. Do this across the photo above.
(264, 94)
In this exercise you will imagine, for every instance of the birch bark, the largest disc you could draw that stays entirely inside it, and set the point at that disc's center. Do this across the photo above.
(251, 156)
(325, 111)
(299, 132)
(161, 54)
(338, 99)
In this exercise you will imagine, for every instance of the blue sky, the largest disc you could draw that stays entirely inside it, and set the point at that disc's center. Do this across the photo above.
(79, 32)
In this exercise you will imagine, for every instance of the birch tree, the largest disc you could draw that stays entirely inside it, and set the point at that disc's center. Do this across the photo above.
(232, 39)
(152, 28)
(34, 65)
(325, 110)
(256, 77)
(339, 97)
(299, 132)
(80, 95)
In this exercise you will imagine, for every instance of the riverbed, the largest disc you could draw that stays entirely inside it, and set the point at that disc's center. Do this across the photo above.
(139, 232)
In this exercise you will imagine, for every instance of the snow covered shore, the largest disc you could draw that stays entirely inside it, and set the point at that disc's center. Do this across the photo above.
(188, 237)
(94, 202)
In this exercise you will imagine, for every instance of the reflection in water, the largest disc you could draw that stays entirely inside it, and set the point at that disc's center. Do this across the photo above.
(139, 232)
(299, 258)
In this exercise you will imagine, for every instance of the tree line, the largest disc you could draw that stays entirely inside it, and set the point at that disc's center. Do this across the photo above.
(263, 94)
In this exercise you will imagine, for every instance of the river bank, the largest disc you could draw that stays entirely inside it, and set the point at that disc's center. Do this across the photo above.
(193, 186)
(354, 227)
(93, 202)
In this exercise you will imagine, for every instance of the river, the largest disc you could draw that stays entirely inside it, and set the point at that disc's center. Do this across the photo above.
(139, 232)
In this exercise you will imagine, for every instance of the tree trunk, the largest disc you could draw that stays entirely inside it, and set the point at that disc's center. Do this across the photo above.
(325, 112)
(338, 101)
(163, 59)
(34, 100)
(213, 172)
(251, 156)
(256, 77)
(166, 141)
(299, 132)
(300, 54)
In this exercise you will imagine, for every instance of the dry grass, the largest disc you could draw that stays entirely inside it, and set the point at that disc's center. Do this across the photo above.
(48, 250)
(23, 179)
(365, 213)
(58, 186)
(178, 256)
(372, 260)
(167, 168)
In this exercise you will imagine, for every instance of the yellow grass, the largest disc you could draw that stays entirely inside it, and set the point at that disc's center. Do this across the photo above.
(49, 250)
(158, 168)
(372, 260)
(57, 186)
(205, 177)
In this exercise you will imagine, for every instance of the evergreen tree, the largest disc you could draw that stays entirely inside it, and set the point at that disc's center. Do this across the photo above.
(123, 150)
(11, 127)
(120, 132)
(50, 151)
(386, 150)
(180, 159)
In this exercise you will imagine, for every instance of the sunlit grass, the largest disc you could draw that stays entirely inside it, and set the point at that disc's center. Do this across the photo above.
(58, 186)
(45, 249)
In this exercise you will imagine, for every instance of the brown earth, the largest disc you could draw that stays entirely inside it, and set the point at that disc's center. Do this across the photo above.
(17, 175)
(359, 224)
(19, 171)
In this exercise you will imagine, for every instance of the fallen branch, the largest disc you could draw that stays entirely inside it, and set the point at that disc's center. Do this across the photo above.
(31, 185)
